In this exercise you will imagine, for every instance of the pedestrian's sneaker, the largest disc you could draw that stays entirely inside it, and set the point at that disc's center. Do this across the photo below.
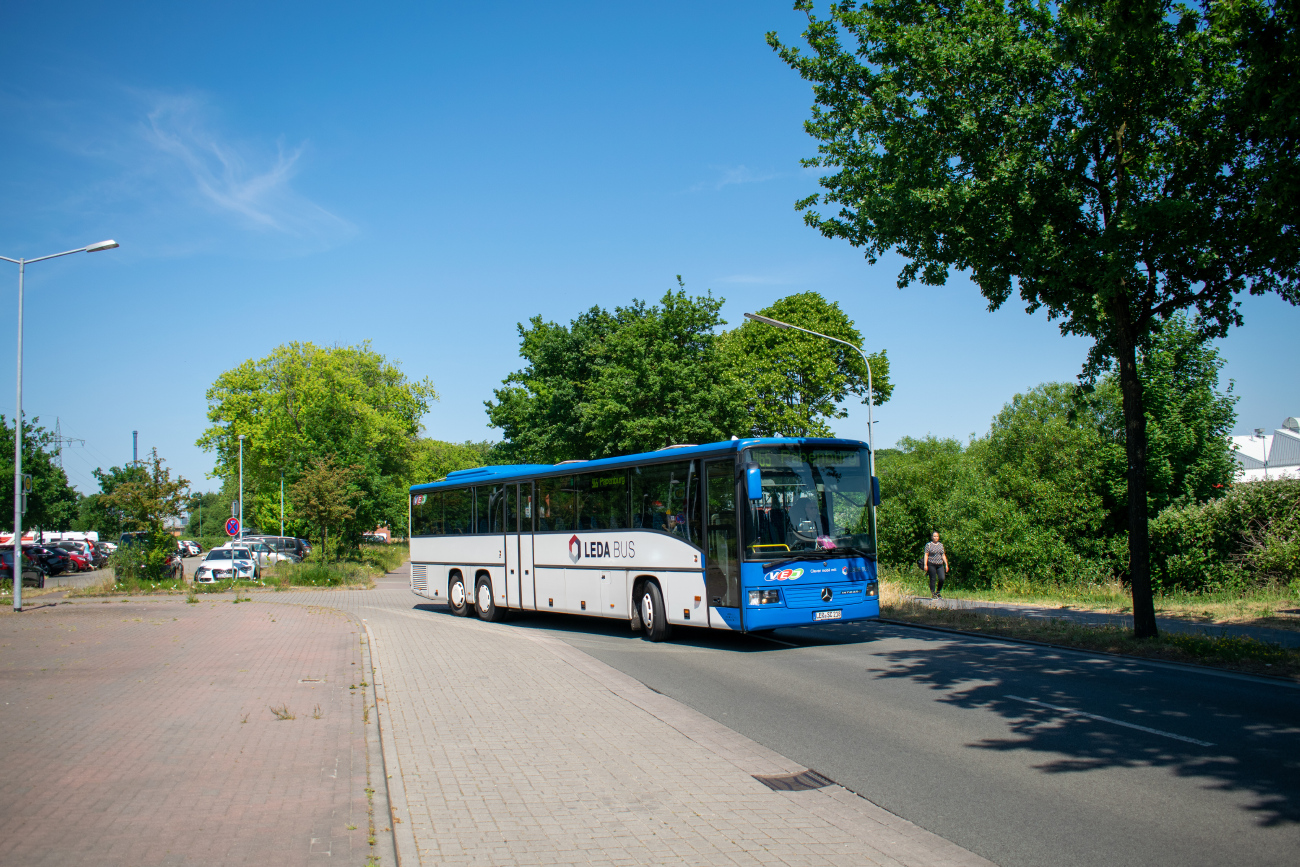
(938, 596)
(934, 595)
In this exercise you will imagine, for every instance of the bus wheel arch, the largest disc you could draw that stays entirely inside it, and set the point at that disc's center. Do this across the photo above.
(457, 594)
(650, 610)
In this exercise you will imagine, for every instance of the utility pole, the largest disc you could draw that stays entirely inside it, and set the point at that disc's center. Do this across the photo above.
(281, 502)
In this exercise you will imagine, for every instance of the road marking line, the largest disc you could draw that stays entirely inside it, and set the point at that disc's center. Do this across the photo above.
(1107, 719)
(775, 640)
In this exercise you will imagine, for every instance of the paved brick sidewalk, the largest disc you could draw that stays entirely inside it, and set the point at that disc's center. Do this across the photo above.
(512, 748)
(1284, 637)
(140, 733)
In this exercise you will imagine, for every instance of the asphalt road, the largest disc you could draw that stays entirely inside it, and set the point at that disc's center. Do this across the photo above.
(985, 742)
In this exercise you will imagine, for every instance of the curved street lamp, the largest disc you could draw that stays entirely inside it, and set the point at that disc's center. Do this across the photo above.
(871, 398)
(18, 415)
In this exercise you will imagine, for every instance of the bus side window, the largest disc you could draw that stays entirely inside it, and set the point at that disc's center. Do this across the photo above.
(512, 510)
(526, 509)
(602, 501)
(458, 511)
(556, 509)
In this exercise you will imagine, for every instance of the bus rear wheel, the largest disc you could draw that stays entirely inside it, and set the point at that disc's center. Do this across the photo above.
(654, 617)
(485, 604)
(457, 598)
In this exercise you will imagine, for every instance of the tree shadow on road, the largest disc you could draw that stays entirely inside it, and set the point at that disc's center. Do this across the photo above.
(1255, 728)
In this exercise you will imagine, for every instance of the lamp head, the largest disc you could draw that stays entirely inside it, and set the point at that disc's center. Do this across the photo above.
(102, 245)
(1259, 431)
(773, 322)
(241, 437)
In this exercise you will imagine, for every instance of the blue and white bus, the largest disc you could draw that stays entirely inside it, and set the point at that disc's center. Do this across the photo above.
(746, 535)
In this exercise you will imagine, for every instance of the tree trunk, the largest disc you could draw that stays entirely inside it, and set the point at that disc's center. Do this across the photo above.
(1135, 447)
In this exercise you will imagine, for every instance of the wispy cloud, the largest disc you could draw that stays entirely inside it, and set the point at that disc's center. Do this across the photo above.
(251, 182)
(729, 175)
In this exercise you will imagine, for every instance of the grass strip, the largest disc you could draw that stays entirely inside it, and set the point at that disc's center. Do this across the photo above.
(356, 572)
(1233, 653)
(1275, 607)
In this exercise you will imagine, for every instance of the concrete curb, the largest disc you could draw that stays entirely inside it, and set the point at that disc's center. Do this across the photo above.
(385, 845)
(397, 810)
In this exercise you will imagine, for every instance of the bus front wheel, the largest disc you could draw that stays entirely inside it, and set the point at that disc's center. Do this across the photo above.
(654, 617)
(457, 598)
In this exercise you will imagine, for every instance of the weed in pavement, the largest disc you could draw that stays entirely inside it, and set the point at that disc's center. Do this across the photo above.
(282, 712)
(316, 712)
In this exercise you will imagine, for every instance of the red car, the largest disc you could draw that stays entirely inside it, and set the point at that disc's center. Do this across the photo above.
(81, 560)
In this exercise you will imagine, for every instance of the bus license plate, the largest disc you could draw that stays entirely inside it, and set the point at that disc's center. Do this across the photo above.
(827, 615)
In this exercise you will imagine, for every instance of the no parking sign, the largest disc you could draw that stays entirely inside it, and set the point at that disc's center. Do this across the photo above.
(232, 526)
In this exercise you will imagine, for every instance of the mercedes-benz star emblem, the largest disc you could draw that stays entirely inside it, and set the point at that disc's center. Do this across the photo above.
(826, 594)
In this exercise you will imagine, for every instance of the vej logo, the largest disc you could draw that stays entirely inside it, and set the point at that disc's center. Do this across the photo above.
(575, 549)
(783, 575)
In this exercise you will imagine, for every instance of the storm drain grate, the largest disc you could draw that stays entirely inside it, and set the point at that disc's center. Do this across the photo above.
(800, 782)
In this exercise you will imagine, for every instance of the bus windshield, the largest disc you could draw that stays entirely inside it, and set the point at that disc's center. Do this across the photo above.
(814, 499)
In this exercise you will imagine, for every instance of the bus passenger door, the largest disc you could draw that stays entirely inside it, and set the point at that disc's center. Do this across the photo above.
(721, 554)
(519, 549)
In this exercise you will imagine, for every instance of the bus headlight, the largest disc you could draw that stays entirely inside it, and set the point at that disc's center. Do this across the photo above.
(873, 589)
(764, 597)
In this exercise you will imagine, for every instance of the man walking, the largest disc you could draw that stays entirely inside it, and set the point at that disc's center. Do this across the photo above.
(936, 565)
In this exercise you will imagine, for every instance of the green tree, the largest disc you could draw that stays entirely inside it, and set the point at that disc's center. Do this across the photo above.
(52, 503)
(99, 511)
(325, 497)
(146, 497)
(796, 382)
(305, 402)
(640, 378)
(1188, 419)
(1095, 156)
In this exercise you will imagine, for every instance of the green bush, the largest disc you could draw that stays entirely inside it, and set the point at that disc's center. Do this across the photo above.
(1249, 537)
(144, 560)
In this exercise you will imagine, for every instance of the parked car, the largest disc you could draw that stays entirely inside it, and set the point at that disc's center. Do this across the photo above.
(83, 552)
(296, 549)
(374, 539)
(55, 560)
(266, 554)
(192, 548)
(34, 573)
(226, 561)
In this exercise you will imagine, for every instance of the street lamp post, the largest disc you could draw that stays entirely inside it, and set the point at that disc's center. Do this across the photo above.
(871, 396)
(1263, 443)
(241, 488)
(281, 502)
(18, 415)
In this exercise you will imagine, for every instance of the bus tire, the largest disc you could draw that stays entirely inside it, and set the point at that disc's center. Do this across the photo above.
(484, 603)
(457, 595)
(654, 616)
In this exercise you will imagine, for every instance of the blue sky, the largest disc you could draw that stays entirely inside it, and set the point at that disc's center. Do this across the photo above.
(425, 176)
